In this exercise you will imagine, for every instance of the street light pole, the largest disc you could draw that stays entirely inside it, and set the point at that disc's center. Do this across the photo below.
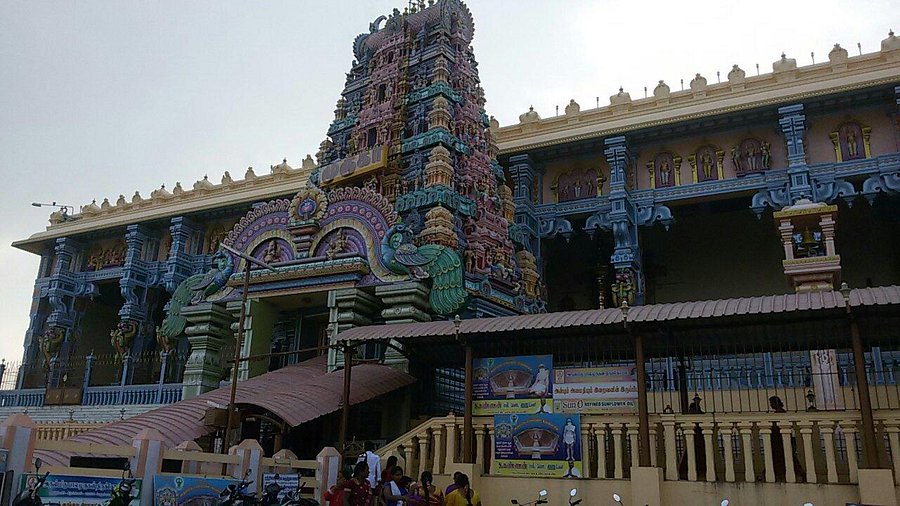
(248, 261)
(467, 411)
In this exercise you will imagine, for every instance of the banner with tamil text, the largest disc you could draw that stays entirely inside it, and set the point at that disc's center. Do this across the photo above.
(540, 445)
(609, 389)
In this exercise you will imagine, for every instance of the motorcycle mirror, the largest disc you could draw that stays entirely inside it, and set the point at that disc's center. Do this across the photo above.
(514, 501)
(724, 502)
(37, 464)
(617, 497)
(573, 492)
(542, 493)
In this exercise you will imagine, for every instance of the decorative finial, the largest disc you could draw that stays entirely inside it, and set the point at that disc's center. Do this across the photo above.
(621, 90)
(783, 56)
(891, 32)
(285, 160)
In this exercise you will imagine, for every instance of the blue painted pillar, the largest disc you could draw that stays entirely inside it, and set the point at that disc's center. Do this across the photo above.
(179, 263)
(793, 126)
(628, 283)
(36, 315)
(526, 178)
(62, 284)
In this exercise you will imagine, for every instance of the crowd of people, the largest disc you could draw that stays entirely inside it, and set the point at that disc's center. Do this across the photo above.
(368, 484)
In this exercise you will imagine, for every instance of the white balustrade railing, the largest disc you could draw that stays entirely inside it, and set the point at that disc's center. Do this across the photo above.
(811, 447)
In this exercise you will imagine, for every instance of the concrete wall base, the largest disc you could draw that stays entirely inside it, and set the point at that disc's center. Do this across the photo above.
(646, 486)
(876, 486)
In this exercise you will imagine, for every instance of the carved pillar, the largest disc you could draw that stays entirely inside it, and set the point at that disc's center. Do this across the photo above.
(179, 263)
(405, 302)
(527, 186)
(626, 258)
(37, 314)
(60, 291)
(348, 308)
(209, 328)
(133, 284)
(793, 125)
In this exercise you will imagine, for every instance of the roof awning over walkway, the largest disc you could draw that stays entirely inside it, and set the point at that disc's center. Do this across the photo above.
(595, 319)
(296, 394)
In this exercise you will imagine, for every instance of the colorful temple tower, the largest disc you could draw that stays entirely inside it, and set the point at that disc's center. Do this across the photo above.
(411, 125)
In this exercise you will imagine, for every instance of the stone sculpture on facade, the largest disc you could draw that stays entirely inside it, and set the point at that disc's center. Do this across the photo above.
(440, 263)
(192, 291)
(851, 141)
(51, 341)
(122, 337)
(751, 156)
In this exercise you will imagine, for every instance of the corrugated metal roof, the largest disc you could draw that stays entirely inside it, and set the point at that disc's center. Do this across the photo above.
(708, 309)
(296, 394)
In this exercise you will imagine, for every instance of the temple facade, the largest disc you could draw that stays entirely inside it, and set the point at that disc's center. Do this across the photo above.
(730, 243)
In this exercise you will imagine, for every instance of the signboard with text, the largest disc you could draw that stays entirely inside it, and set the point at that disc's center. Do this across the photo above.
(78, 490)
(521, 385)
(540, 445)
(590, 390)
(176, 490)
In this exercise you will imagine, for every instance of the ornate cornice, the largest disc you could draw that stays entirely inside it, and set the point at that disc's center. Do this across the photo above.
(779, 87)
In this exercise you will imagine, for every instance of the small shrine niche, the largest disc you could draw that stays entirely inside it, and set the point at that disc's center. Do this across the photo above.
(579, 184)
(106, 256)
(665, 170)
(851, 142)
(807, 235)
(751, 156)
(706, 164)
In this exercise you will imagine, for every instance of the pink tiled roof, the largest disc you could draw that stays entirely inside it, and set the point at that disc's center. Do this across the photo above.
(296, 393)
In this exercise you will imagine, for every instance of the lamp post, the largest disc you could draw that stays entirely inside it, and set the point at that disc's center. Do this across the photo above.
(248, 261)
(862, 385)
(64, 209)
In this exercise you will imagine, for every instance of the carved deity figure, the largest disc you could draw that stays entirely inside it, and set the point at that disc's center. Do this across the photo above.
(707, 161)
(664, 173)
(337, 245)
(736, 160)
(623, 288)
(122, 336)
(273, 253)
(50, 342)
(852, 145)
(766, 155)
(751, 157)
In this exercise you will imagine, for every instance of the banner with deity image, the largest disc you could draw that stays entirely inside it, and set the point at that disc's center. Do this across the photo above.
(610, 389)
(520, 385)
(177, 490)
(540, 445)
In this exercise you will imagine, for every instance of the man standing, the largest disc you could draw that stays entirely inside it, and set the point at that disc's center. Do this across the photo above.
(374, 462)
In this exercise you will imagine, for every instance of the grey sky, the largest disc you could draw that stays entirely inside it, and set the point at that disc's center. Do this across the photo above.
(99, 98)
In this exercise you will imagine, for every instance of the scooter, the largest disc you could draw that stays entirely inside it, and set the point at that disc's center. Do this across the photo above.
(572, 500)
(31, 495)
(237, 495)
(121, 494)
(542, 499)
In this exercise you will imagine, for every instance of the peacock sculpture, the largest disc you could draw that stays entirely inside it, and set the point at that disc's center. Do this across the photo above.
(440, 263)
(193, 290)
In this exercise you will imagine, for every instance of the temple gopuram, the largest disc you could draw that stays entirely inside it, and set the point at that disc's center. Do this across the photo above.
(676, 299)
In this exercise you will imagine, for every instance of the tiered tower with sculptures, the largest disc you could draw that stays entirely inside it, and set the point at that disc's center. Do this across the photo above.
(411, 125)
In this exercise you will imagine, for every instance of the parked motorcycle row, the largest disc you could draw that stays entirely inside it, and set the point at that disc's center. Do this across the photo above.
(236, 494)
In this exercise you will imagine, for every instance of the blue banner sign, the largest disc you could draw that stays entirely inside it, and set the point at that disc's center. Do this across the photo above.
(176, 490)
(541, 445)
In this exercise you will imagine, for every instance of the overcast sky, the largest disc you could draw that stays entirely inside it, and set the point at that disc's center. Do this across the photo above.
(99, 98)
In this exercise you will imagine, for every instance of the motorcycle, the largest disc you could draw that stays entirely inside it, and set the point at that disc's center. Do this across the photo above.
(271, 493)
(294, 499)
(31, 495)
(237, 495)
(121, 494)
